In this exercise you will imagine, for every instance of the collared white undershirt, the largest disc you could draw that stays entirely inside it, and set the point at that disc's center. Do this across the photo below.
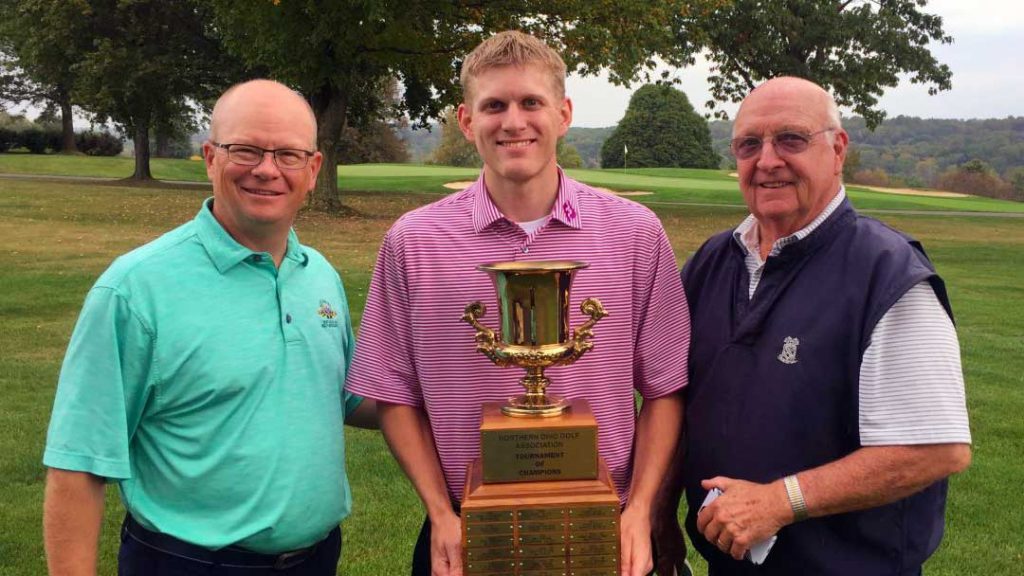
(911, 381)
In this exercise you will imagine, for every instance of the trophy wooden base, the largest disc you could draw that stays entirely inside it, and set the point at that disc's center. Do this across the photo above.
(520, 449)
(540, 528)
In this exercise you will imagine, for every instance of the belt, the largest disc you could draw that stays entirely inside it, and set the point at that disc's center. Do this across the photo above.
(230, 557)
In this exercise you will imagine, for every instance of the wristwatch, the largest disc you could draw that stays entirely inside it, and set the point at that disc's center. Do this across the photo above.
(796, 498)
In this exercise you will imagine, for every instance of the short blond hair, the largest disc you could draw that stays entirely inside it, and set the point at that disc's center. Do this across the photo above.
(512, 48)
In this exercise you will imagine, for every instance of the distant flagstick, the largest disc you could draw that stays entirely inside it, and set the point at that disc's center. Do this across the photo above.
(625, 156)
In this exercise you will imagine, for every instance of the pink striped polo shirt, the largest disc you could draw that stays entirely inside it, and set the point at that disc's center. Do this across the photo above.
(412, 348)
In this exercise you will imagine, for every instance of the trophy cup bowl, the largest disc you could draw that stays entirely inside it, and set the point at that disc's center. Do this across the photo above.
(533, 308)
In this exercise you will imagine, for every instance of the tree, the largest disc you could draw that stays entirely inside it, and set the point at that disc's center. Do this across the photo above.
(172, 136)
(927, 171)
(852, 163)
(374, 143)
(660, 129)
(337, 53)
(975, 177)
(1015, 180)
(568, 156)
(872, 177)
(11, 128)
(373, 138)
(10, 80)
(454, 149)
(976, 166)
(42, 42)
(855, 48)
(151, 64)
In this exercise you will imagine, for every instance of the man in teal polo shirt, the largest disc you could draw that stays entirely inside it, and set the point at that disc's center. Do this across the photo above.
(205, 376)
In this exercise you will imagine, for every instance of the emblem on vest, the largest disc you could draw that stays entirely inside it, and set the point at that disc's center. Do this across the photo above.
(328, 314)
(788, 354)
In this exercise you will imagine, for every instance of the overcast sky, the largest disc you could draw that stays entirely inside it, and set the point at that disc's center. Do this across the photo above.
(986, 59)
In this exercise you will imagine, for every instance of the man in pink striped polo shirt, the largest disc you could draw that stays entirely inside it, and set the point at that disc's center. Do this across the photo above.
(418, 361)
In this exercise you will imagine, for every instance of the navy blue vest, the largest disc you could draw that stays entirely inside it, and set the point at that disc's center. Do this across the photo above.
(759, 407)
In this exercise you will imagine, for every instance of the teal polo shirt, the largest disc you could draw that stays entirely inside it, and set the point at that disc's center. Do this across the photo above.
(209, 385)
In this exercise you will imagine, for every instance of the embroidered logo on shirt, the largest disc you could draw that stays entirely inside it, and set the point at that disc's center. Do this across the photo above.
(567, 209)
(328, 314)
(788, 354)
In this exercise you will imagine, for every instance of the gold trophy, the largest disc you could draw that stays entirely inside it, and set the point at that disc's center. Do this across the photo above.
(533, 303)
(539, 500)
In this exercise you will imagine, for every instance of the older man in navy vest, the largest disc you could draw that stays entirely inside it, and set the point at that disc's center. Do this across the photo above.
(826, 399)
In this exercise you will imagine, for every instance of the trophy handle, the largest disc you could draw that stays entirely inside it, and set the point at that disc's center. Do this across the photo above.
(486, 339)
(581, 336)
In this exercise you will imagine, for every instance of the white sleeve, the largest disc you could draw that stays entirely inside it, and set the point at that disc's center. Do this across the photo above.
(911, 383)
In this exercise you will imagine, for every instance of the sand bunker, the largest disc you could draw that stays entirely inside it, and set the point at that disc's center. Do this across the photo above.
(624, 192)
(915, 192)
(463, 184)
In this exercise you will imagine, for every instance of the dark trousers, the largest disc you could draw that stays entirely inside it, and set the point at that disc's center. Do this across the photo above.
(421, 553)
(145, 553)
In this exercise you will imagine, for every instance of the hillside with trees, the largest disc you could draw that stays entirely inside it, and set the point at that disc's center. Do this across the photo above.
(984, 157)
(588, 142)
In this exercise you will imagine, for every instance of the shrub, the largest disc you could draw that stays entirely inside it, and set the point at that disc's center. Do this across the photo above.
(977, 178)
(454, 149)
(1015, 178)
(98, 143)
(54, 136)
(8, 139)
(34, 139)
(567, 155)
(872, 177)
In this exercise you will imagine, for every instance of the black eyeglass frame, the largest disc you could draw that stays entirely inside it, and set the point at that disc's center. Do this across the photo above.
(263, 152)
(805, 137)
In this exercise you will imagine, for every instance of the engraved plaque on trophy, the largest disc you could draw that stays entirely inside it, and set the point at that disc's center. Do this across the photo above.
(539, 500)
(515, 450)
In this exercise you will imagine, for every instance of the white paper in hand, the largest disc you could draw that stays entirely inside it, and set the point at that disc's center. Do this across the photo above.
(711, 497)
(759, 551)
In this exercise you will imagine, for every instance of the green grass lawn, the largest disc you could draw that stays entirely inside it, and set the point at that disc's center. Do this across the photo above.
(99, 167)
(60, 236)
(664, 185)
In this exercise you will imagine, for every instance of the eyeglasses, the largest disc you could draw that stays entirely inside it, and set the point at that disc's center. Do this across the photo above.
(784, 143)
(284, 158)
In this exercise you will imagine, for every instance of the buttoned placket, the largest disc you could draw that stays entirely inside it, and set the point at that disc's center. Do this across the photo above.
(515, 238)
(286, 318)
(289, 308)
(524, 241)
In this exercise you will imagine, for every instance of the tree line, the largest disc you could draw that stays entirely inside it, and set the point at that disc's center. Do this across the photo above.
(39, 138)
(155, 66)
(983, 157)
